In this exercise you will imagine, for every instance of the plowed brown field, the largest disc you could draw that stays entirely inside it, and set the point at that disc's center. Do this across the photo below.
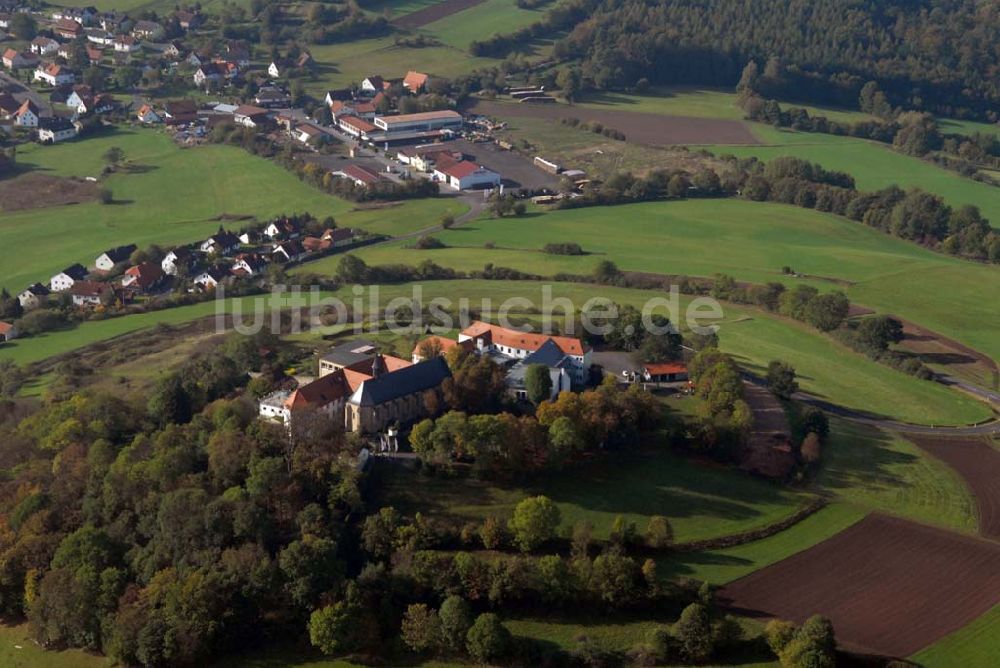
(889, 586)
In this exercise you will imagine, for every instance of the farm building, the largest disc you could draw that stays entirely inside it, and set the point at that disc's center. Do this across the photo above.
(467, 175)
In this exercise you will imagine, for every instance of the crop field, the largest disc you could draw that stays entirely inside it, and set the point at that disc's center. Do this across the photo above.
(167, 195)
(700, 501)
(750, 241)
(888, 585)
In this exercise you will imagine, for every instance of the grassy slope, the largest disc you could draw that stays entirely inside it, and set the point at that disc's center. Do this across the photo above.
(722, 566)
(174, 197)
(881, 471)
(825, 367)
(701, 501)
(751, 241)
(18, 650)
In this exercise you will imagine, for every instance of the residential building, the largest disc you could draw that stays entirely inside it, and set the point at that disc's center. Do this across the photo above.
(272, 97)
(355, 126)
(188, 20)
(27, 115)
(17, 60)
(178, 260)
(65, 279)
(44, 46)
(33, 296)
(288, 251)
(309, 134)
(107, 260)
(210, 279)
(250, 116)
(143, 277)
(283, 228)
(373, 84)
(415, 82)
(125, 44)
(90, 293)
(54, 75)
(80, 92)
(210, 74)
(8, 105)
(467, 175)
(180, 111)
(148, 30)
(249, 264)
(220, 243)
(8, 332)
(572, 353)
(55, 129)
(97, 105)
(67, 28)
(148, 115)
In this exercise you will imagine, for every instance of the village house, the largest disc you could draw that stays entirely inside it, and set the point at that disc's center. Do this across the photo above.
(67, 28)
(467, 175)
(54, 75)
(360, 176)
(415, 82)
(90, 293)
(309, 134)
(148, 115)
(363, 390)
(249, 264)
(172, 50)
(373, 84)
(107, 260)
(82, 15)
(65, 279)
(79, 94)
(180, 111)
(332, 238)
(125, 44)
(143, 277)
(179, 259)
(33, 296)
(94, 54)
(250, 116)
(188, 20)
(272, 97)
(147, 30)
(425, 158)
(8, 332)
(101, 104)
(362, 109)
(17, 60)
(111, 21)
(220, 243)
(99, 37)
(52, 130)
(209, 74)
(27, 115)
(44, 46)
(288, 251)
(65, 51)
(238, 52)
(8, 105)
(210, 278)
(283, 228)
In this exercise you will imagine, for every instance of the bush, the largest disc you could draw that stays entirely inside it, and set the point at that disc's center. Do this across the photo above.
(487, 640)
(429, 243)
(563, 249)
(535, 522)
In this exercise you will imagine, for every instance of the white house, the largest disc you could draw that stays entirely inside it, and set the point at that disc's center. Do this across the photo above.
(250, 116)
(52, 130)
(27, 115)
(54, 75)
(44, 46)
(125, 44)
(107, 260)
(221, 243)
(33, 296)
(178, 258)
(210, 279)
(89, 293)
(373, 84)
(249, 264)
(274, 407)
(289, 251)
(308, 134)
(361, 176)
(282, 229)
(76, 98)
(466, 175)
(65, 279)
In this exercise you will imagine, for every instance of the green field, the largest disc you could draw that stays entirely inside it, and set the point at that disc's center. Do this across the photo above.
(481, 22)
(172, 195)
(977, 644)
(722, 566)
(751, 241)
(19, 650)
(700, 501)
(824, 367)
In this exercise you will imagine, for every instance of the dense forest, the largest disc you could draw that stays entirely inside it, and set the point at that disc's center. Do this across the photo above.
(938, 55)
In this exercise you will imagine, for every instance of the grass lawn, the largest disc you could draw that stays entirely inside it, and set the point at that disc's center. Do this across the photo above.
(172, 195)
(481, 22)
(700, 500)
(881, 471)
(18, 650)
(726, 565)
(751, 241)
(977, 644)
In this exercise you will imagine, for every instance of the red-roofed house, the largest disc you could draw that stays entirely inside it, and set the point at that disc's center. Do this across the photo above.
(573, 353)
(15, 60)
(143, 277)
(668, 372)
(414, 81)
(54, 75)
(67, 28)
(7, 331)
(27, 115)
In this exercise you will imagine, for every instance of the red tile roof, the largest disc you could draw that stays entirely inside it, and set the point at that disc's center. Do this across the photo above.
(522, 340)
(665, 368)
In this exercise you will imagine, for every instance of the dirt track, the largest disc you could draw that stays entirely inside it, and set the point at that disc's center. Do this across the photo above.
(979, 466)
(422, 17)
(639, 127)
(889, 586)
